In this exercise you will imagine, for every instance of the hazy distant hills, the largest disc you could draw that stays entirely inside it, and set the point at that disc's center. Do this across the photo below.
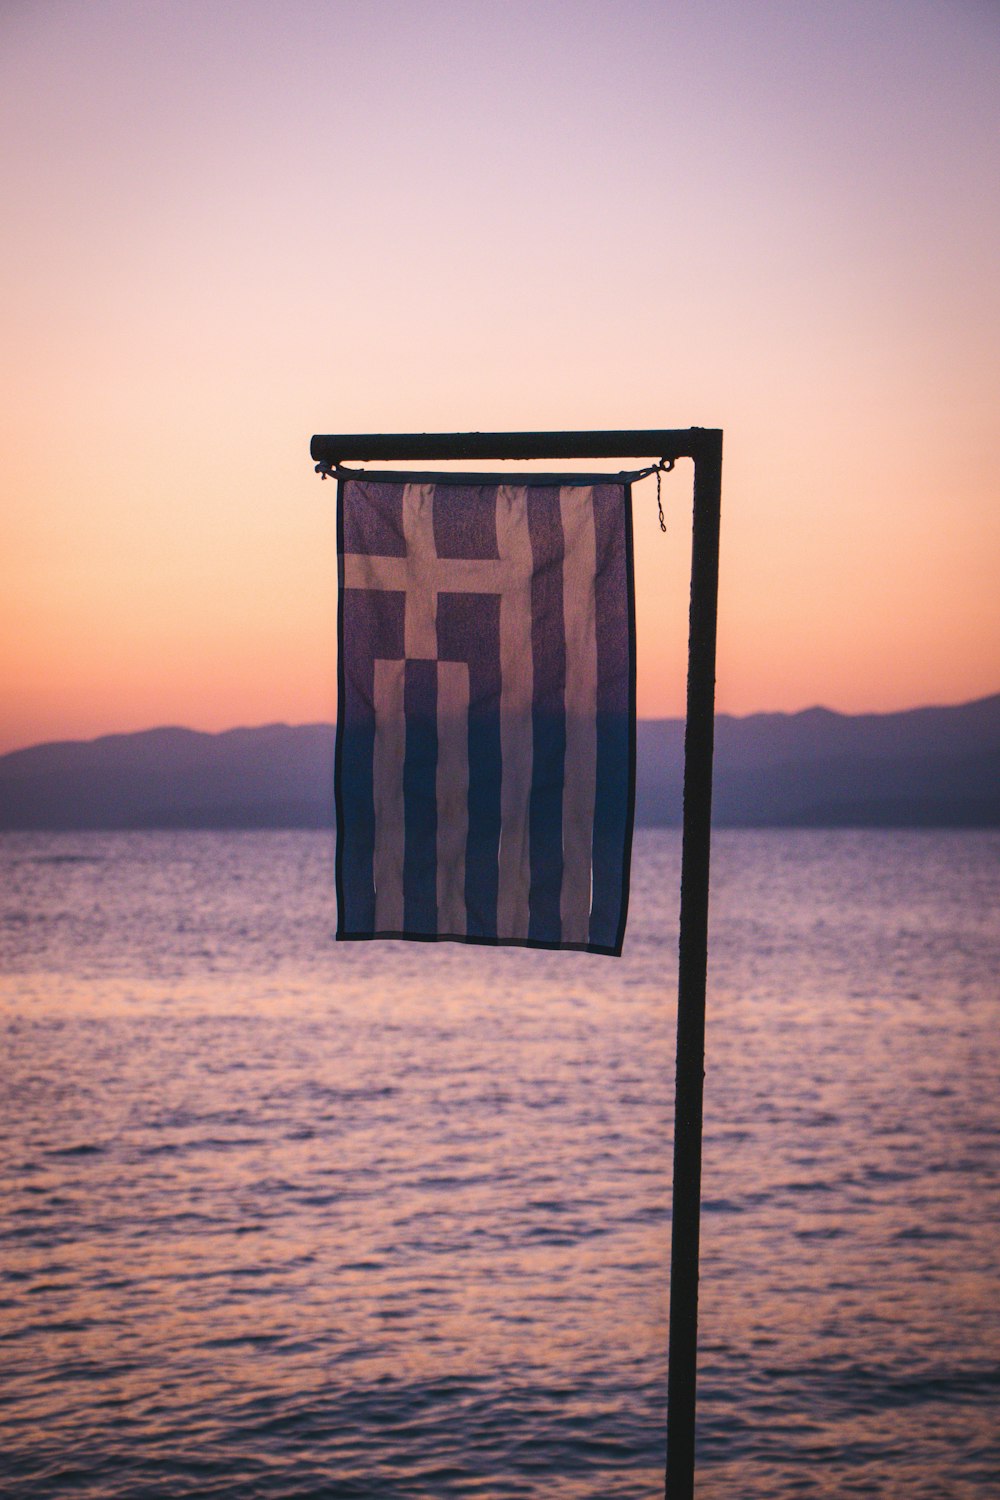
(273, 777)
(928, 767)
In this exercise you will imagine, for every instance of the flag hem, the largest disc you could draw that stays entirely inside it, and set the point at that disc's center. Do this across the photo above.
(338, 794)
(630, 802)
(490, 480)
(480, 942)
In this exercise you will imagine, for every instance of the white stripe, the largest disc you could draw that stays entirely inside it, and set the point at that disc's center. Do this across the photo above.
(390, 745)
(579, 612)
(452, 794)
(516, 687)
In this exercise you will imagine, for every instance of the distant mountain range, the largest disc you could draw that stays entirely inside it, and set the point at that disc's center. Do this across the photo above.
(928, 767)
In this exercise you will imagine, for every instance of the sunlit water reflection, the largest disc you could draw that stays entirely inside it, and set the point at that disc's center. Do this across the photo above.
(283, 1218)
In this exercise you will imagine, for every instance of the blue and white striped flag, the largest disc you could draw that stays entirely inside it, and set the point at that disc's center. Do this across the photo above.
(485, 765)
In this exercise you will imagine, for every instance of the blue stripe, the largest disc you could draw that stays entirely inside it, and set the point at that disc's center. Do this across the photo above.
(614, 702)
(482, 850)
(356, 828)
(420, 798)
(372, 623)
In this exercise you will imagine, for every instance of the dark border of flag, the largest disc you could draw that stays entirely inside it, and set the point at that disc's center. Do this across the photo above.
(532, 478)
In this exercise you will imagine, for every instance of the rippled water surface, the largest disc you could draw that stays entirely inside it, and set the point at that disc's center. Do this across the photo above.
(282, 1218)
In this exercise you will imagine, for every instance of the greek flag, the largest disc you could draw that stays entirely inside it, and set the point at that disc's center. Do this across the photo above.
(485, 760)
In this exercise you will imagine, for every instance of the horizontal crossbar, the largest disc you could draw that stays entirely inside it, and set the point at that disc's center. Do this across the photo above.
(656, 442)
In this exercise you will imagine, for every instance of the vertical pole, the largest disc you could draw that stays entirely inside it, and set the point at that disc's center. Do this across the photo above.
(698, 743)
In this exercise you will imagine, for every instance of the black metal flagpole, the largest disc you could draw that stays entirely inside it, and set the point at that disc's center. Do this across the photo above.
(699, 736)
(704, 446)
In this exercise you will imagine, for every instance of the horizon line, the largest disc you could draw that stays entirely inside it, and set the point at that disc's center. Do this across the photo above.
(640, 719)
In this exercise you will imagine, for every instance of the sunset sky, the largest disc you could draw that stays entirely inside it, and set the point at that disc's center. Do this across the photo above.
(229, 226)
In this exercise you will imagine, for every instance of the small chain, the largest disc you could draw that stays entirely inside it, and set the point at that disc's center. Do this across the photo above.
(663, 467)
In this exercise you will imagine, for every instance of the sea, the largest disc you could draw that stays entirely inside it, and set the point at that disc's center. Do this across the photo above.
(288, 1218)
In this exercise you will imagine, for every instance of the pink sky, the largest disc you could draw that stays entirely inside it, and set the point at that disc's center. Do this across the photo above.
(227, 227)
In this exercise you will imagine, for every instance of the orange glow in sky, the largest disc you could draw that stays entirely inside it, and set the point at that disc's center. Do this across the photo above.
(229, 227)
